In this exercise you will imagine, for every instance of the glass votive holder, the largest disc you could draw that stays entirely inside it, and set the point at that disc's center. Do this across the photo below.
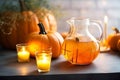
(22, 52)
(43, 60)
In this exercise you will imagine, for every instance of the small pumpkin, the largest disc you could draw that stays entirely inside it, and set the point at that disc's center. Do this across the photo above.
(113, 39)
(36, 41)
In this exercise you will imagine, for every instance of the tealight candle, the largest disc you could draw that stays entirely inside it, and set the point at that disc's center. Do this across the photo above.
(22, 53)
(43, 60)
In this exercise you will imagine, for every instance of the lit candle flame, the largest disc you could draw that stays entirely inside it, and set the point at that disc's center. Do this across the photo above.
(23, 48)
(105, 19)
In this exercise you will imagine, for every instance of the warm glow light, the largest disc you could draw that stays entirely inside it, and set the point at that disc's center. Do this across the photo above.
(23, 70)
(23, 55)
(105, 19)
(23, 49)
(105, 26)
(43, 62)
(33, 47)
(103, 43)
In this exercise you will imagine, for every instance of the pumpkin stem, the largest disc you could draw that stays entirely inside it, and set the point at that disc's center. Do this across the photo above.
(115, 29)
(22, 5)
(42, 29)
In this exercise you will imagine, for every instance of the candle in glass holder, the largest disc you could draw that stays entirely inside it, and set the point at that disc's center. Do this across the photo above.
(22, 53)
(43, 60)
(103, 43)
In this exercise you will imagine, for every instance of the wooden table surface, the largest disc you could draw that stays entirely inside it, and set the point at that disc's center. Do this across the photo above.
(105, 64)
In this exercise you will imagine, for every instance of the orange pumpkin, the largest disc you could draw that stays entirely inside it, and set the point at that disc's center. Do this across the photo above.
(23, 24)
(118, 45)
(47, 18)
(113, 39)
(36, 41)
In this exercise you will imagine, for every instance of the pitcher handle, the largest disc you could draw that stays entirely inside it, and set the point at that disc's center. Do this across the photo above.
(99, 25)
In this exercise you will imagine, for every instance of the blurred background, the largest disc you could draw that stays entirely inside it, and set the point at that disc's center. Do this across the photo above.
(93, 9)
(65, 9)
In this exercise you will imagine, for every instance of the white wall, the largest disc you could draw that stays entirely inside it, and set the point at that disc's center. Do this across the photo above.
(93, 9)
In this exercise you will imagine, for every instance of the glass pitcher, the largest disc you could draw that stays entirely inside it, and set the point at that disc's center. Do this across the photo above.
(80, 47)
